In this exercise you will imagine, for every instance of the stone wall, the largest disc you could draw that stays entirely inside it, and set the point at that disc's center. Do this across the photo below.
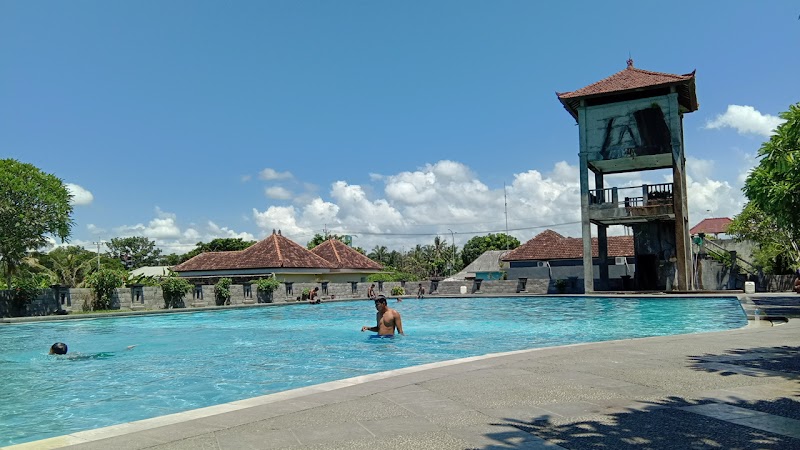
(56, 300)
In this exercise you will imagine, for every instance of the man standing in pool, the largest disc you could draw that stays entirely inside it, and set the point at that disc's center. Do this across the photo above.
(388, 319)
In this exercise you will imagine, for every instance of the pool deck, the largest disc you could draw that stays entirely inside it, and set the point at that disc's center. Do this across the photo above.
(731, 389)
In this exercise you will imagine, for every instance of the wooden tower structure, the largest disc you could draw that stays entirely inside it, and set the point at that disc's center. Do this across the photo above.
(632, 121)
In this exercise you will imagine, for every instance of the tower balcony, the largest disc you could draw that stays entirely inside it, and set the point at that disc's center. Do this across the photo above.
(615, 206)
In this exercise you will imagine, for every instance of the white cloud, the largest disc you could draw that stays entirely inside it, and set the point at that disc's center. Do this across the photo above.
(246, 178)
(745, 120)
(278, 193)
(80, 196)
(163, 226)
(269, 174)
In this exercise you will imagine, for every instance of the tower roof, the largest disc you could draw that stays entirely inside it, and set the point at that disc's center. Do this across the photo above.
(632, 83)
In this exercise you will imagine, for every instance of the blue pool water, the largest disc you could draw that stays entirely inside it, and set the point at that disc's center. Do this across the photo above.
(187, 361)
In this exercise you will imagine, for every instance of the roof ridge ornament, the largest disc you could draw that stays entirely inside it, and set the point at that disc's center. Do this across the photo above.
(630, 62)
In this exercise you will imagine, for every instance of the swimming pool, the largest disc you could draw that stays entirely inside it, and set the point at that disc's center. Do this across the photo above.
(188, 361)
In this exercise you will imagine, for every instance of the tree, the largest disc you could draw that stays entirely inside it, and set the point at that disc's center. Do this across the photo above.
(319, 239)
(216, 245)
(773, 187)
(139, 251)
(33, 206)
(773, 242)
(378, 254)
(68, 265)
(476, 246)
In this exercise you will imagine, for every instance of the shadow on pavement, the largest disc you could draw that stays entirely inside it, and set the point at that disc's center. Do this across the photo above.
(682, 423)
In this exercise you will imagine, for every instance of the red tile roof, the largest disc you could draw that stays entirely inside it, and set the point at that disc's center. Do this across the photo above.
(343, 256)
(712, 226)
(549, 245)
(276, 251)
(632, 79)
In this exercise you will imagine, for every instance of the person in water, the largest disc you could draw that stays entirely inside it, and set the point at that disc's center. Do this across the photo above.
(388, 319)
(59, 348)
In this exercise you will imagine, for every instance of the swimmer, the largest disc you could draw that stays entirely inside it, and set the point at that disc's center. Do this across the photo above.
(59, 348)
(388, 319)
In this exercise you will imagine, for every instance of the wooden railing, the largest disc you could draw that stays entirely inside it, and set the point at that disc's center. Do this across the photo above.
(646, 195)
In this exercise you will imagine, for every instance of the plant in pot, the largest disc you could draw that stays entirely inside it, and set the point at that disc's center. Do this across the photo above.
(560, 285)
(265, 287)
(222, 291)
(174, 289)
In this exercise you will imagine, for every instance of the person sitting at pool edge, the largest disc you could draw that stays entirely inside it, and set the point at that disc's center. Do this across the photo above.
(313, 296)
(797, 281)
(371, 292)
(59, 348)
(388, 319)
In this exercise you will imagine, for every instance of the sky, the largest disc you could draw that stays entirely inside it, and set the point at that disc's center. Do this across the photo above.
(393, 122)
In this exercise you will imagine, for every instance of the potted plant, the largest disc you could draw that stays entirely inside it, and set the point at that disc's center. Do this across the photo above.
(265, 287)
(560, 285)
(222, 291)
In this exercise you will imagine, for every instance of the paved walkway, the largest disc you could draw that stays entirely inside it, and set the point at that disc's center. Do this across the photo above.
(733, 389)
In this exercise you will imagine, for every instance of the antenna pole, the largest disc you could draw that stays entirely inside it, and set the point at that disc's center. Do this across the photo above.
(505, 207)
(98, 244)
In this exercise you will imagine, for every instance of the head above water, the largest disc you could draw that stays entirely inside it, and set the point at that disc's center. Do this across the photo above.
(59, 348)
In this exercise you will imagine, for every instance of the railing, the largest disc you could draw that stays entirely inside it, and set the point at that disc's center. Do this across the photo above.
(723, 254)
(640, 196)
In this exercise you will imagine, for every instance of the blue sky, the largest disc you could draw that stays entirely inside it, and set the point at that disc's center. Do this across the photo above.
(392, 121)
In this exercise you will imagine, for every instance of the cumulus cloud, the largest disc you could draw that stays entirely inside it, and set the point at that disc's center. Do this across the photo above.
(163, 226)
(745, 120)
(432, 200)
(80, 196)
(708, 197)
(278, 193)
(269, 174)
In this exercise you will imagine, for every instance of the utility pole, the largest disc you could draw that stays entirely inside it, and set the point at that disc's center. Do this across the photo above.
(453, 236)
(98, 244)
(505, 207)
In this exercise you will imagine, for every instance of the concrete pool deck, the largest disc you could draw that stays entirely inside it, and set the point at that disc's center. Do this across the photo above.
(731, 389)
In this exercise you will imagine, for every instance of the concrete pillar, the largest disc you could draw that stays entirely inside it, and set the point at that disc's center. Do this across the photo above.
(602, 253)
(586, 226)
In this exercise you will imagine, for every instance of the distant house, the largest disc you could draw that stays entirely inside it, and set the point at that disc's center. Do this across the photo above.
(151, 271)
(551, 255)
(715, 226)
(348, 263)
(488, 266)
(279, 256)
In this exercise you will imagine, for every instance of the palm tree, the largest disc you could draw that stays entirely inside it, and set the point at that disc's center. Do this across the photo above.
(378, 254)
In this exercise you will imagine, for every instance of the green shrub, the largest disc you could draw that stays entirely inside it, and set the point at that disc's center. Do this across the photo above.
(103, 284)
(383, 276)
(222, 291)
(174, 289)
(397, 290)
(25, 291)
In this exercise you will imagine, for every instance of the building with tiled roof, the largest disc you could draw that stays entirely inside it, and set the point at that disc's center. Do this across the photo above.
(279, 256)
(549, 245)
(632, 121)
(344, 257)
(715, 226)
(488, 266)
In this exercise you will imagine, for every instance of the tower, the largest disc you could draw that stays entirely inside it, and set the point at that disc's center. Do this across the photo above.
(632, 121)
